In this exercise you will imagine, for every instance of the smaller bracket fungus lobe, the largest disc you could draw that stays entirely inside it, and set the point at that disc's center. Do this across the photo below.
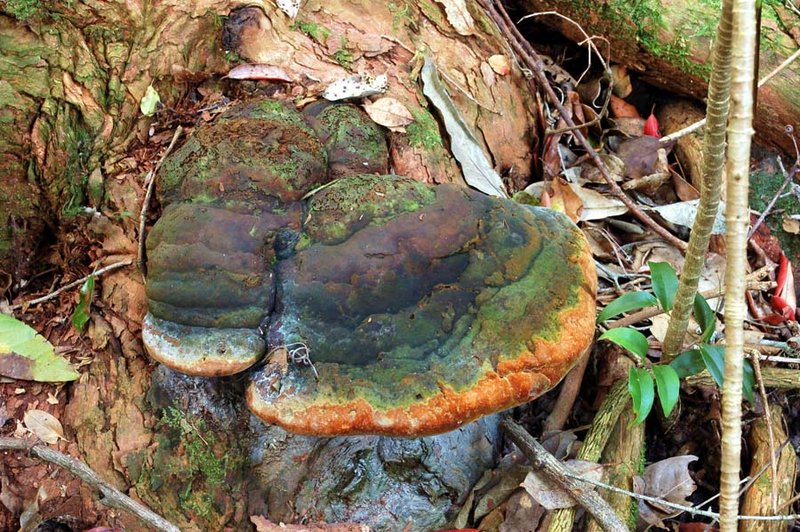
(422, 308)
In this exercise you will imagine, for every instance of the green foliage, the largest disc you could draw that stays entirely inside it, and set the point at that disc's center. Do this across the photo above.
(25, 354)
(640, 386)
(81, 314)
(629, 339)
(626, 303)
(665, 283)
(667, 376)
(423, 132)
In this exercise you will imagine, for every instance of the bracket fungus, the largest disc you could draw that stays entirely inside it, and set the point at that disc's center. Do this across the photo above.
(419, 309)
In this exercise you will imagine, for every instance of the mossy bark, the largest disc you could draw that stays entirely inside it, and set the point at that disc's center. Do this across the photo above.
(669, 42)
(72, 75)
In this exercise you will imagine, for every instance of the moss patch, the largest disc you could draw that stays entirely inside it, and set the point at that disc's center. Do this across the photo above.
(423, 132)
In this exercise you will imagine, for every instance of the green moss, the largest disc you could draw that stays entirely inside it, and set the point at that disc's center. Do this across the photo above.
(23, 10)
(401, 17)
(763, 187)
(316, 32)
(197, 468)
(423, 132)
(343, 55)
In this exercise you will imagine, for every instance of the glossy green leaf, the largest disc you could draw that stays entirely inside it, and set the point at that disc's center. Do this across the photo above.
(714, 359)
(627, 338)
(668, 385)
(640, 386)
(81, 314)
(626, 303)
(150, 101)
(748, 381)
(25, 354)
(665, 283)
(705, 317)
(688, 363)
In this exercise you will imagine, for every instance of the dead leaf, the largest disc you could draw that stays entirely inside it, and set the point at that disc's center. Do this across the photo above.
(553, 497)
(566, 200)
(458, 16)
(791, 225)
(357, 86)
(389, 112)
(475, 165)
(258, 71)
(522, 513)
(621, 81)
(667, 479)
(684, 190)
(622, 109)
(684, 212)
(290, 7)
(500, 64)
(640, 156)
(44, 425)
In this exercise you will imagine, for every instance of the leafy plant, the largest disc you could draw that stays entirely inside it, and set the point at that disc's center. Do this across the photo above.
(25, 354)
(80, 316)
(647, 379)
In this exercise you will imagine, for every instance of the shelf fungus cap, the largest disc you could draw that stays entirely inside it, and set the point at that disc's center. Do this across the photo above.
(421, 309)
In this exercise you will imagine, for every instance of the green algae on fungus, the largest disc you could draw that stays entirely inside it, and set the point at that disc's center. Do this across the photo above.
(427, 318)
(423, 307)
(354, 143)
(259, 150)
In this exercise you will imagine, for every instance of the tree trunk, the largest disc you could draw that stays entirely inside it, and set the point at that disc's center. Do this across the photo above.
(73, 152)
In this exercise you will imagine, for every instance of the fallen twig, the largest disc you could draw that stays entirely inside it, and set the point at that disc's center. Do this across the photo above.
(546, 464)
(691, 128)
(150, 181)
(535, 64)
(570, 388)
(689, 509)
(650, 312)
(73, 284)
(111, 496)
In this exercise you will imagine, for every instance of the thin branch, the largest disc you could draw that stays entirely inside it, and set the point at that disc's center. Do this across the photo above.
(73, 284)
(150, 183)
(773, 463)
(789, 176)
(545, 463)
(691, 128)
(112, 497)
(535, 64)
(649, 312)
(689, 509)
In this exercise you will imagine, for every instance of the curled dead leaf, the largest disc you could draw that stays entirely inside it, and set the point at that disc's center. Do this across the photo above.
(258, 71)
(389, 112)
(553, 497)
(500, 64)
(44, 425)
(458, 16)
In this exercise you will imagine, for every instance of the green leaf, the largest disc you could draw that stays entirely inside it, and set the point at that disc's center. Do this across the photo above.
(688, 363)
(665, 283)
(149, 102)
(25, 354)
(705, 317)
(714, 359)
(626, 303)
(748, 381)
(628, 338)
(81, 315)
(640, 386)
(668, 385)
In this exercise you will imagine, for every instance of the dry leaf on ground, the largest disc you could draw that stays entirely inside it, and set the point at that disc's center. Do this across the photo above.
(390, 113)
(552, 497)
(44, 425)
(458, 16)
(667, 479)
